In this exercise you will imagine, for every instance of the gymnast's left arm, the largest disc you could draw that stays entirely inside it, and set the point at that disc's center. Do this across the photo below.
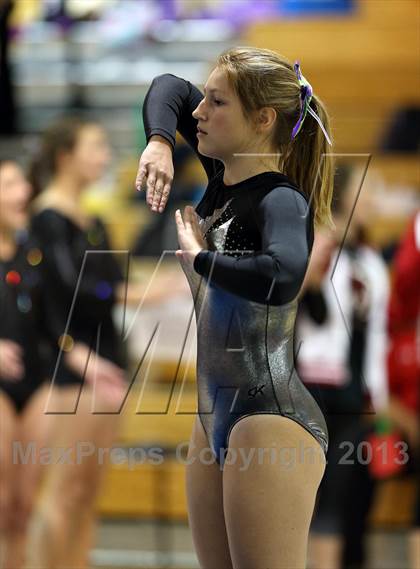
(275, 274)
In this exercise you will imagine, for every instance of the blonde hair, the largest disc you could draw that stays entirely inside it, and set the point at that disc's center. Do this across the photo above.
(263, 78)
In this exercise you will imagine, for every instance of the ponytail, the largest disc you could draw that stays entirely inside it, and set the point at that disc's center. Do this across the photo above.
(263, 78)
(309, 163)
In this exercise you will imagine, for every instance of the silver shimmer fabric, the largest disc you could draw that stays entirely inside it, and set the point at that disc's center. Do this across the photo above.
(245, 362)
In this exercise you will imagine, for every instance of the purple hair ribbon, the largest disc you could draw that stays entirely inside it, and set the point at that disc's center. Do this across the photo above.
(305, 101)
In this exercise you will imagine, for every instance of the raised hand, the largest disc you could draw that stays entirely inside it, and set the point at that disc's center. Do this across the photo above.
(156, 169)
(191, 242)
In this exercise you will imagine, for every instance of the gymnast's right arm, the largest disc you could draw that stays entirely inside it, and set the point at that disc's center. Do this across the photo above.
(168, 107)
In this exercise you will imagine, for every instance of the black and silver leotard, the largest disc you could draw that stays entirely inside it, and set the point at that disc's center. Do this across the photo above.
(260, 235)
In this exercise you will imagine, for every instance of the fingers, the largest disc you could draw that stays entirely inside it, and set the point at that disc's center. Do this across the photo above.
(179, 221)
(189, 234)
(158, 187)
(157, 196)
(151, 181)
(165, 195)
(141, 175)
(188, 218)
(191, 218)
(180, 227)
(156, 171)
(161, 193)
(194, 226)
(194, 220)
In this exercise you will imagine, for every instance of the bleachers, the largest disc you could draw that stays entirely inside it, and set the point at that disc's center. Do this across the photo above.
(363, 65)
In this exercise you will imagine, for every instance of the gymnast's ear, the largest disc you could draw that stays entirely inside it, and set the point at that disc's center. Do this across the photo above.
(265, 119)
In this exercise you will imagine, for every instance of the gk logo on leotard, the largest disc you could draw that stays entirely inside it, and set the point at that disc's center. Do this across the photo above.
(256, 390)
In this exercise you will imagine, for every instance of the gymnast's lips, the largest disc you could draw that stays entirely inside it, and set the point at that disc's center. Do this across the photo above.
(200, 131)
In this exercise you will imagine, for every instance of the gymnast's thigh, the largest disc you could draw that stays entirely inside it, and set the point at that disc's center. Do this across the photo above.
(270, 478)
(205, 503)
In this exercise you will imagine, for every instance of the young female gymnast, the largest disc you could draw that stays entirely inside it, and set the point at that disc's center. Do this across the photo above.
(22, 369)
(343, 367)
(261, 135)
(74, 154)
(88, 367)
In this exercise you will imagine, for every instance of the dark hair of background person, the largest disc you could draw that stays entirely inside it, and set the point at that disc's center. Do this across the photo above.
(61, 137)
(403, 133)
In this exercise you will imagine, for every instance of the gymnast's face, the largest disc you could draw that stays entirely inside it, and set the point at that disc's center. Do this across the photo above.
(15, 193)
(226, 130)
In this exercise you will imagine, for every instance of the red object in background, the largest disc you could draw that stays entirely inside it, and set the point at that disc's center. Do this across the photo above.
(389, 450)
(389, 454)
(403, 369)
(13, 278)
(404, 319)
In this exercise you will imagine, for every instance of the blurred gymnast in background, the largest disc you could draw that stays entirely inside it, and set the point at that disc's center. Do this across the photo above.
(340, 345)
(23, 368)
(89, 361)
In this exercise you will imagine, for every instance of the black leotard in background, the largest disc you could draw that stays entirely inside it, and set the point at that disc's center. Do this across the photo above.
(21, 318)
(260, 234)
(64, 244)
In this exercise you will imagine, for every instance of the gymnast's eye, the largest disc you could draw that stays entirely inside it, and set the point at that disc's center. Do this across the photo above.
(217, 102)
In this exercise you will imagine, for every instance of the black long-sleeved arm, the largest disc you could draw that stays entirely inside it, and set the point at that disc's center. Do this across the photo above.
(275, 273)
(168, 107)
